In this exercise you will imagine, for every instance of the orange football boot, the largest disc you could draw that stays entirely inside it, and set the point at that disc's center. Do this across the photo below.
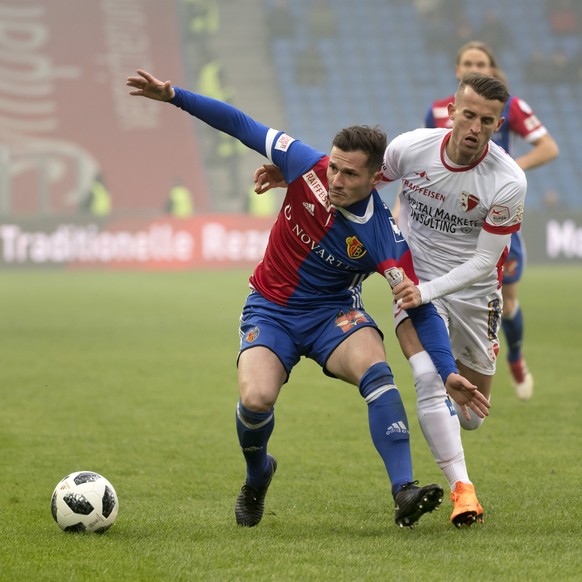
(467, 508)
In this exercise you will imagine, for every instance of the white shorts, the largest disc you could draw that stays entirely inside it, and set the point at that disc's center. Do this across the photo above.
(473, 325)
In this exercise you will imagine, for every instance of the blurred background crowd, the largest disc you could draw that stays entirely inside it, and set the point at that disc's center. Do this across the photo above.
(311, 67)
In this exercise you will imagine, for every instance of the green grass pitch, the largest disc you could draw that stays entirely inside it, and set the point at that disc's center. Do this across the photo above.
(133, 375)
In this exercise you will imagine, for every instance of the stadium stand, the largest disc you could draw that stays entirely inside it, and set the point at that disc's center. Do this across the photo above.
(383, 70)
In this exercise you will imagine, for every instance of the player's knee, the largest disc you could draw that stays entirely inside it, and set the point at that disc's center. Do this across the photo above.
(257, 400)
(377, 378)
(473, 423)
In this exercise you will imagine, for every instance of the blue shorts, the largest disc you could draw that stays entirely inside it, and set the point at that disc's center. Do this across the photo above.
(515, 263)
(291, 332)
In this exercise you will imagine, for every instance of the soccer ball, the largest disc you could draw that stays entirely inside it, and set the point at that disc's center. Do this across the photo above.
(84, 501)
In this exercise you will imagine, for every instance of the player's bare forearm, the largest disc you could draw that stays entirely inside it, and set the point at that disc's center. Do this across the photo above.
(146, 85)
(408, 339)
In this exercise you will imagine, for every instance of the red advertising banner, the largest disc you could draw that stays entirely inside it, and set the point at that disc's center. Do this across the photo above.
(66, 118)
(207, 242)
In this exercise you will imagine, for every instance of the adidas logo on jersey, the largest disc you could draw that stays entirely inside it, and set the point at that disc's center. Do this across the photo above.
(310, 208)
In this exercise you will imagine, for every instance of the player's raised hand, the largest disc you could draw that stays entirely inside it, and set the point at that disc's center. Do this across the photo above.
(268, 176)
(146, 85)
(467, 396)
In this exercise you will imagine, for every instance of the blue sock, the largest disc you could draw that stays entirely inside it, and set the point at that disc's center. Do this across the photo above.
(254, 430)
(388, 423)
(513, 330)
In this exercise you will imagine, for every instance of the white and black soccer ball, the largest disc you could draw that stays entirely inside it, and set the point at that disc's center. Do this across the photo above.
(84, 501)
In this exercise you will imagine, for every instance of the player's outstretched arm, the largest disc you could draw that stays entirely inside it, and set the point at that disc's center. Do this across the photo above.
(146, 85)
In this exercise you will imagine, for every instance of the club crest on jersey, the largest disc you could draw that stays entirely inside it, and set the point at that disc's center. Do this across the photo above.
(493, 352)
(252, 335)
(347, 321)
(355, 248)
(468, 201)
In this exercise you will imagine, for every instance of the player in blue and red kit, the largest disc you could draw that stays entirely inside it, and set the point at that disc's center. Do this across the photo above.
(332, 232)
(520, 120)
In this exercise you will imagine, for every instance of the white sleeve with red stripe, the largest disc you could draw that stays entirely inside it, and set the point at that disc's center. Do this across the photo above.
(524, 122)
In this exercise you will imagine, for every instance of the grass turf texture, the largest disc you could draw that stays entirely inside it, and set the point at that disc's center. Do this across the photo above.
(132, 375)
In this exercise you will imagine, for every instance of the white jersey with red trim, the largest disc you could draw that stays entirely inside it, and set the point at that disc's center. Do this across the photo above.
(445, 206)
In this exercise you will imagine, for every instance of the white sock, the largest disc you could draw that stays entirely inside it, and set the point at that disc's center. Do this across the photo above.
(438, 422)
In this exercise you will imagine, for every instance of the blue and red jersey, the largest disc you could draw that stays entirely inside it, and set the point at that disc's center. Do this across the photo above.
(317, 253)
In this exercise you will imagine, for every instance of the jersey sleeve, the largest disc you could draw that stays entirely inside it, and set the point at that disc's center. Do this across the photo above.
(524, 122)
(390, 247)
(433, 336)
(292, 156)
(505, 214)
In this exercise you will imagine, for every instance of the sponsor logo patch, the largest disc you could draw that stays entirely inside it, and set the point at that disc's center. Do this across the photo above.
(519, 212)
(397, 427)
(317, 187)
(310, 208)
(283, 142)
(397, 233)
(499, 214)
(394, 276)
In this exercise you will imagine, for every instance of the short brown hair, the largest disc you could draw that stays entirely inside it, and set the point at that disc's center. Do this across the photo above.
(486, 86)
(370, 140)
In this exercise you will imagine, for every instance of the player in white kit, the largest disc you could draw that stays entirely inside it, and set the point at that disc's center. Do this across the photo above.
(462, 197)
(520, 121)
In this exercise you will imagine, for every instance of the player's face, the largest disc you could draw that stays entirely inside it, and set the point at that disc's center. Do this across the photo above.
(474, 60)
(349, 178)
(475, 118)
